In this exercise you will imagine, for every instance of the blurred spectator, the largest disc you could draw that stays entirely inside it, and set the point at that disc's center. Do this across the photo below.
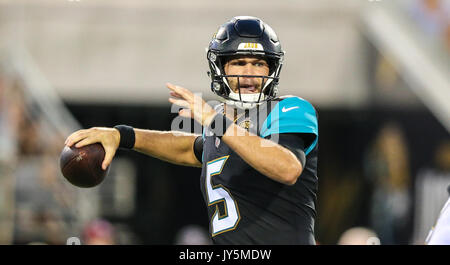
(99, 232)
(447, 37)
(39, 188)
(29, 140)
(35, 206)
(387, 164)
(192, 235)
(359, 236)
(442, 157)
(39, 225)
(433, 17)
(10, 113)
(386, 76)
(123, 235)
(430, 191)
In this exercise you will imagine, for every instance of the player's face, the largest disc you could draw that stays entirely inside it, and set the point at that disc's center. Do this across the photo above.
(246, 66)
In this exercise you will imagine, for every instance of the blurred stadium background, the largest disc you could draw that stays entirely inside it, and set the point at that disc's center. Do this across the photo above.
(378, 73)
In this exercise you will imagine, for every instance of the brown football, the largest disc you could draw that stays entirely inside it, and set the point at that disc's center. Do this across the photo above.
(83, 166)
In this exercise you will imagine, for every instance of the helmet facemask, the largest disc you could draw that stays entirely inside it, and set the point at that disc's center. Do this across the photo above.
(221, 83)
(242, 36)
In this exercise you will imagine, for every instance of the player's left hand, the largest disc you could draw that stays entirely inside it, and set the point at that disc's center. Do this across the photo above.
(194, 106)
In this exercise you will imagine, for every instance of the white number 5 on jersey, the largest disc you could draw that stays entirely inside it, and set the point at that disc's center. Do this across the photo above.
(220, 194)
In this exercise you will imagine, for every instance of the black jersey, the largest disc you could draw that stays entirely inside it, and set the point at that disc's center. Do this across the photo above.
(246, 207)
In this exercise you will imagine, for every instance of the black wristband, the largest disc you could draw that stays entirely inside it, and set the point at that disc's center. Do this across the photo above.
(219, 125)
(127, 137)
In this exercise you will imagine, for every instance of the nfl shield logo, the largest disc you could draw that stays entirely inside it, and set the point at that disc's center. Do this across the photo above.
(246, 124)
(217, 142)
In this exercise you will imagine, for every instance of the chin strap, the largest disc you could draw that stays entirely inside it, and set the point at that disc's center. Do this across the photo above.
(241, 105)
(249, 100)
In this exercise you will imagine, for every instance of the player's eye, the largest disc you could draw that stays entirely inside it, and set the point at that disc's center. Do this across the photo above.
(260, 64)
(241, 63)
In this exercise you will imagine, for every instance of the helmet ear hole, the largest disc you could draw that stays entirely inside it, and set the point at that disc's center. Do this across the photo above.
(216, 87)
(219, 88)
(275, 90)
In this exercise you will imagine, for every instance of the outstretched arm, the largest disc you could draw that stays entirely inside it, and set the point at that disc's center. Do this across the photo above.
(173, 147)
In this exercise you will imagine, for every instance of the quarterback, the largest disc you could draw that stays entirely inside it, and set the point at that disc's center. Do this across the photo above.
(258, 150)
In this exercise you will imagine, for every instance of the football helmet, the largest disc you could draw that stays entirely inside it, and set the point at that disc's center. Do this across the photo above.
(244, 35)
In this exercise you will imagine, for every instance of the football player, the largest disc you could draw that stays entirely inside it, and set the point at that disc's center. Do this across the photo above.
(258, 150)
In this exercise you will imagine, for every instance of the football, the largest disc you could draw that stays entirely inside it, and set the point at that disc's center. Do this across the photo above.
(82, 166)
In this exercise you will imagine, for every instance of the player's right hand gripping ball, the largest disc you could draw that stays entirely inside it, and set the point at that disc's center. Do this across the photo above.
(83, 166)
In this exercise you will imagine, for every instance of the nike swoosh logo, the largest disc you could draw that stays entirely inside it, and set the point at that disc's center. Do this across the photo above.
(284, 109)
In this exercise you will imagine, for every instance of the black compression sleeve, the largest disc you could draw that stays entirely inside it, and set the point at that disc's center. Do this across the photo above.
(198, 148)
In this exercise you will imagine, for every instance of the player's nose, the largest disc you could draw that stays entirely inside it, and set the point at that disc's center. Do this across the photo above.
(249, 69)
